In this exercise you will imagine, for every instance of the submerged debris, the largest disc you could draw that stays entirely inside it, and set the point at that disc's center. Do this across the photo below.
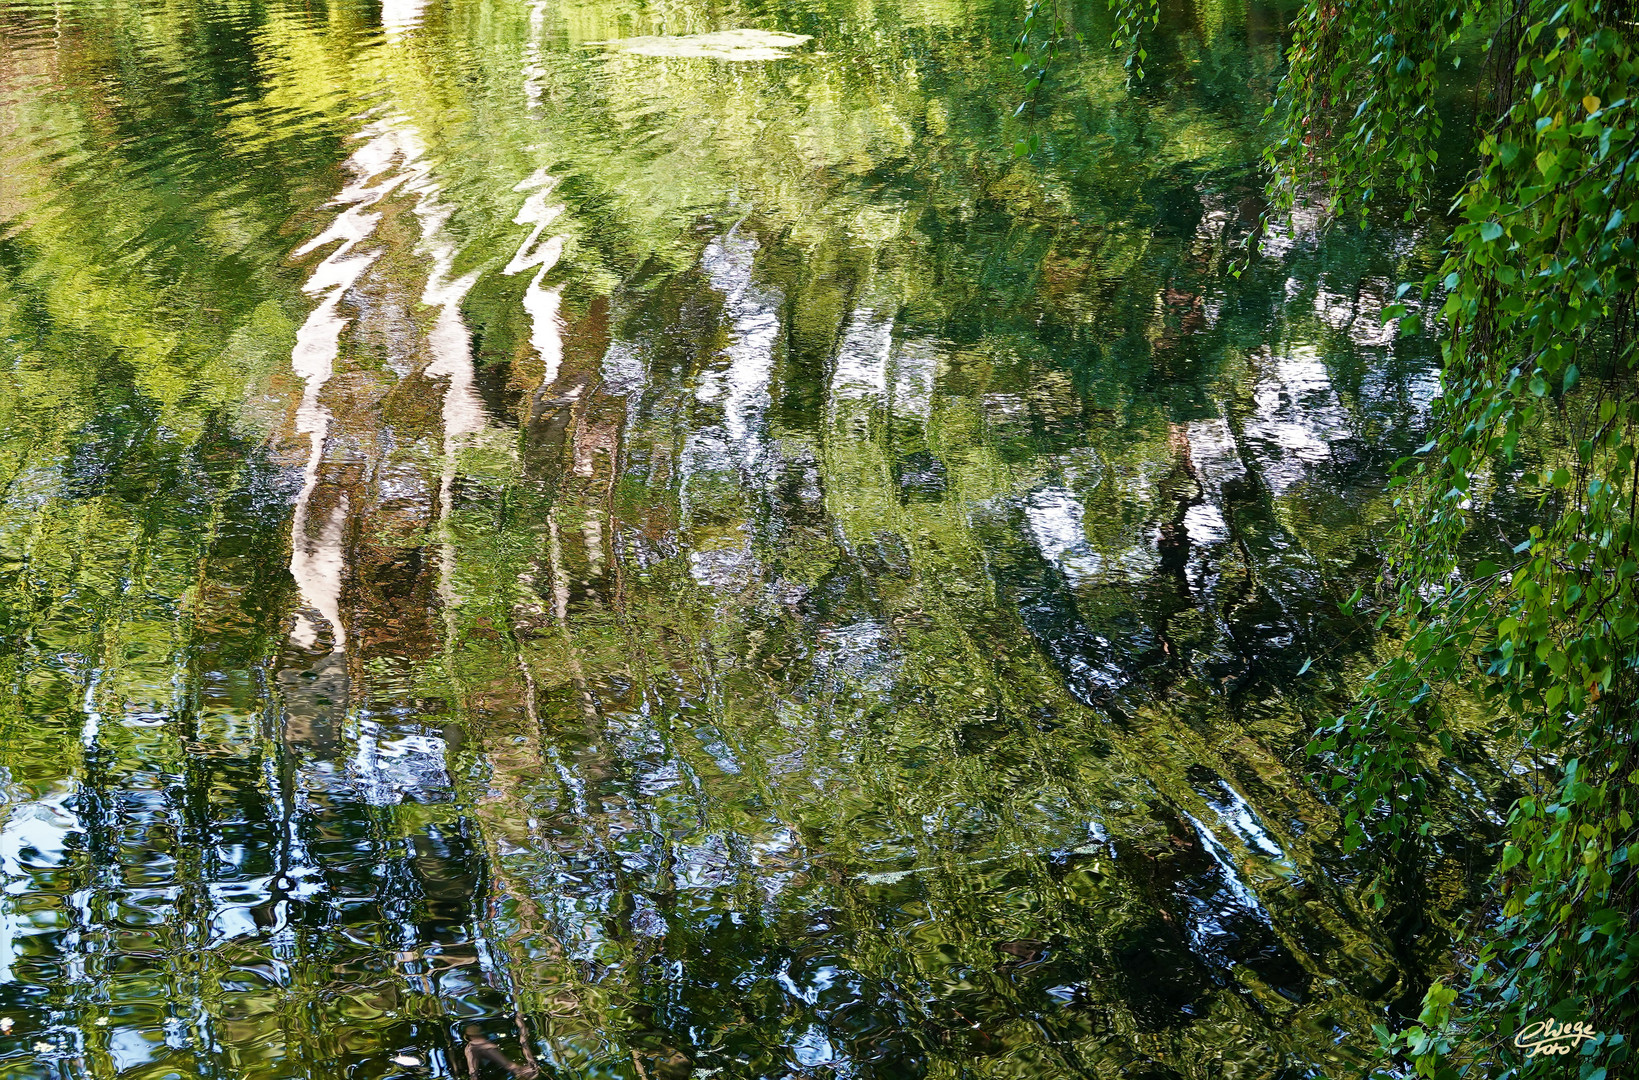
(722, 45)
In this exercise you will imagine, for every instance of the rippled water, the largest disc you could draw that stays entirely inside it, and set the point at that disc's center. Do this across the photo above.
(518, 554)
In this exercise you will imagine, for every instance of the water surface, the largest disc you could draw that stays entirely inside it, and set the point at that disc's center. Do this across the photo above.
(522, 555)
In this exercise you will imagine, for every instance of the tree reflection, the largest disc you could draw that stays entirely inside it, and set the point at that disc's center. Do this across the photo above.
(520, 557)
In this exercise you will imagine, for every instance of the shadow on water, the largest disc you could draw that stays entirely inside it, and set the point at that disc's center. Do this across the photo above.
(522, 557)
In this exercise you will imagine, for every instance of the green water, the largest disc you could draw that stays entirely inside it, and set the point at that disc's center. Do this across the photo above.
(515, 551)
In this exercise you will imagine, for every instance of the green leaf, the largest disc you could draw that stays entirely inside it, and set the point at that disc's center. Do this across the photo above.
(1541, 260)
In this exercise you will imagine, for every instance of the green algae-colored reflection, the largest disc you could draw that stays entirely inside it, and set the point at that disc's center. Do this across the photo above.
(518, 555)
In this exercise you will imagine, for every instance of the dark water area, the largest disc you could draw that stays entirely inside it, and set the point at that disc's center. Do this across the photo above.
(520, 555)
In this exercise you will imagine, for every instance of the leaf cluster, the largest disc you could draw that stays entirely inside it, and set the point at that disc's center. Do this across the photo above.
(1033, 55)
(1534, 307)
(1132, 17)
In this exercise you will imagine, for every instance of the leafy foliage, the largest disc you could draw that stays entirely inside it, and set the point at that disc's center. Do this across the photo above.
(1033, 55)
(1358, 108)
(1130, 21)
(1534, 307)
(1038, 44)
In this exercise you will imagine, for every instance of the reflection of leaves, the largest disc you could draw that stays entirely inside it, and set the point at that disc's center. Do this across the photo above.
(660, 754)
